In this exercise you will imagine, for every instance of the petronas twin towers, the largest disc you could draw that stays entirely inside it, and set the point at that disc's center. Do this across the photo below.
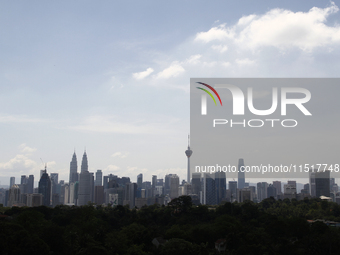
(86, 179)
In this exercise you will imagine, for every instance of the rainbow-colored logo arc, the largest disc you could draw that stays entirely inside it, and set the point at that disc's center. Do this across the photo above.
(213, 90)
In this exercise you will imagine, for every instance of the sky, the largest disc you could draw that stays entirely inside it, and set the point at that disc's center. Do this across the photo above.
(113, 76)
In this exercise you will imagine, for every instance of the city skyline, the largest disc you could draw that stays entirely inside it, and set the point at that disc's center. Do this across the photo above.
(75, 172)
(108, 77)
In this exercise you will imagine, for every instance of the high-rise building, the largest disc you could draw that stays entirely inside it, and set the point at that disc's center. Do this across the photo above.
(245, 194)
(76, 191)
(99, 195)
(105, 181)
(84, 192)
(54, 182)
(14, 195)
(45, 188)
(23, 184)
(232, 191)
(99, 178)
(24, 179)
(72, 191)
(209, 190)
(312, 191)
(221, 186)
(289, 190)
(73, 169)
(271, 191)
(34, 200)
(66, 192)
(130, 194)
(30, 184)
(241, 175)
(154, 181)
(160, 182)
(188, 153)
(167, 184)
(322, 181)
(196, 183)
(174, 184)
(277, 185)
(262, 191)
(139, 180)
(293, 183)
(54, 178)
(11, 182)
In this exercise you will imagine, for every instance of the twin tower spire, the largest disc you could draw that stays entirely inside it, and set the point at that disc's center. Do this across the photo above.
(74, 166)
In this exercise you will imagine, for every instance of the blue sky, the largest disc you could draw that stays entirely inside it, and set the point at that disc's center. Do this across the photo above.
(114, 75)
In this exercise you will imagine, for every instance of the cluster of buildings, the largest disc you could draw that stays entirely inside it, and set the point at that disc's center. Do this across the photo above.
(211, 189)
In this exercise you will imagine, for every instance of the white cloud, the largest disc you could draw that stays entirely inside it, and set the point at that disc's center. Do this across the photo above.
(194, 59)
(278, 28)
(142, 75)
(111, 168)
(120, 154)
(218, 33)
(245, 61)
(173, 70)
(25, 149)
(220, 48)
(18, 163)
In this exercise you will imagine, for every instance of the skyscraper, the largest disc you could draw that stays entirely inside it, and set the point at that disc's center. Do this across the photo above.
(14, 195)
(196, 183)
(45, 188)
(73, 169)
(84, 192)
(188, 152)
(54, 178)
(130, 194)
(167, 184)
(30, 184)
(11, 182)
(99, 178)
(312, 173)
(322, 180)
(209, 190)
(154, 181)
(241, 174)
(271, 191)
(174, 184)
(262, 191)
(221, 186)
(139, 180)
(54, 182)
(277, 185)
(24, 179)
(233, 190)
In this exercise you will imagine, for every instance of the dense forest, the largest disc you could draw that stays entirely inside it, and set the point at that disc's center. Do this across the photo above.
(269, 227)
